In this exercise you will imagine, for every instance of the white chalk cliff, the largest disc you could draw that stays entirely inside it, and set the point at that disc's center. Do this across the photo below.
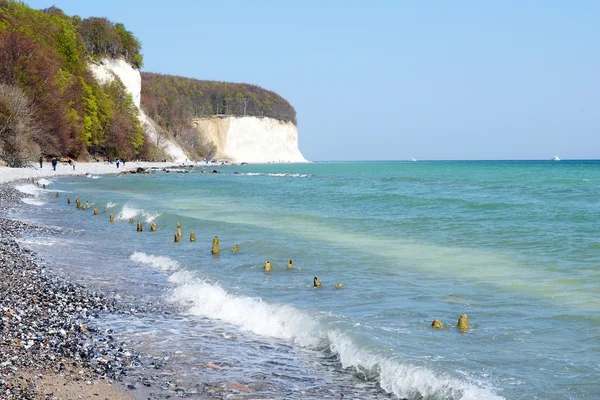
(106, 70)
(251, 139)
(239, 139)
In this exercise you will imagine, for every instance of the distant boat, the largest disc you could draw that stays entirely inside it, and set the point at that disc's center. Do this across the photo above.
(412, 159)
(555, 158)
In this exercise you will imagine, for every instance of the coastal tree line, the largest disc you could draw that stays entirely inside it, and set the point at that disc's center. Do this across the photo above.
(49, 101)
(172, 101)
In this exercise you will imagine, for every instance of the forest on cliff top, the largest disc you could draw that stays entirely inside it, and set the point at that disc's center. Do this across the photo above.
(51, 104)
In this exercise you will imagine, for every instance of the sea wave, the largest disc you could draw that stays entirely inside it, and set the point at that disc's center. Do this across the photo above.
(28, 188)
(33, 201)
(157, 262)
(128, 212)
(279, 175)
(45, 181)
(201, 298)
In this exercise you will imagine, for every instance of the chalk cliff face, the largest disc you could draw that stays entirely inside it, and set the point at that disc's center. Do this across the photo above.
(239, 139)
(106, 70)
(251, 139)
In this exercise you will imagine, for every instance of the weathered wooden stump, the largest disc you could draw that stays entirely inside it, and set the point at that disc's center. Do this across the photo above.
(437, 324)
(192, 237)
(268, 266)
(215, 245)
(317, 282)
(463, 323)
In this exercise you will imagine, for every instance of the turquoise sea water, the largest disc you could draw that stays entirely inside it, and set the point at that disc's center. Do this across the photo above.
(513, 244)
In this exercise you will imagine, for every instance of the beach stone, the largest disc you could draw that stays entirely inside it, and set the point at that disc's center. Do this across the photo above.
(239, 387)
(437, 324)
(317, 282)
(463, 323)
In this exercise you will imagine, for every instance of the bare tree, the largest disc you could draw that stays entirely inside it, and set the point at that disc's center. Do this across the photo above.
(17, 127)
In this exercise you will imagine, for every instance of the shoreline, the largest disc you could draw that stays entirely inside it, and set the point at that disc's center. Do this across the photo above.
(46, 348)
(8, 174)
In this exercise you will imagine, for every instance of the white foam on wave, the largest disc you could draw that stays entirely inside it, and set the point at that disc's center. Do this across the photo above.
(404, 380)
(45, 181)
(33, 201)
(32, 190)
(280, 175)
(110, 204)
(130, 212)
(201, 298)
(157, 262)
(28, 188)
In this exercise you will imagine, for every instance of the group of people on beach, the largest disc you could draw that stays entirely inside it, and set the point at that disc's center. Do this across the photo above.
(117, 161)
(54, 162)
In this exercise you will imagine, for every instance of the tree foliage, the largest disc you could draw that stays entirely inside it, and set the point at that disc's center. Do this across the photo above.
(43, 60)
(103, 38)
(172, 101)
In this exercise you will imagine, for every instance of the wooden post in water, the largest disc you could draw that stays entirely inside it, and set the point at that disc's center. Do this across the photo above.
(95, 211)
(437, 324)
(215, 245)
(84, 207)
(44, 186)
(131, 220)
(56, 194)
(192, 237)
(463, 323)
(176, 238)
(179, 230)
(235, 248)
(68, 200)
(153, 227)
(139, 226)
(112, 218)
(289, 264)
(268, 266)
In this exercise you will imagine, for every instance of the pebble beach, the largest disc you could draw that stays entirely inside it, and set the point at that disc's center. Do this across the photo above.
(48, 347)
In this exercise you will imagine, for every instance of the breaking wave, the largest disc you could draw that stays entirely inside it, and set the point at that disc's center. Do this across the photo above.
(279, 175)
(201, 298)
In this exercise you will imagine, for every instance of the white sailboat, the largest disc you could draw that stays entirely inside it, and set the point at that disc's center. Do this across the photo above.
(555, 158)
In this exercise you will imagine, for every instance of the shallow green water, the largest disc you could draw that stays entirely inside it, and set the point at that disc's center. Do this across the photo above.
(514, 244)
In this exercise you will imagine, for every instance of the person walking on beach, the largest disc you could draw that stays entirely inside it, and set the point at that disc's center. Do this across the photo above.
(54, 162)
(41, 160)
(118, 161)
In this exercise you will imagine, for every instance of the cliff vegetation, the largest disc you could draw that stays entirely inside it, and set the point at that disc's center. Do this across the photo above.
(172, 101)
(49, 101)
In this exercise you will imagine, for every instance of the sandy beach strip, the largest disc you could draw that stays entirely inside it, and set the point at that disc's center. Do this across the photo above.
(94, 168)
(47, 350)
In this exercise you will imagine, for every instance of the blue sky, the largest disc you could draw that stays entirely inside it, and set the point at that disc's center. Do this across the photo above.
(390, 79)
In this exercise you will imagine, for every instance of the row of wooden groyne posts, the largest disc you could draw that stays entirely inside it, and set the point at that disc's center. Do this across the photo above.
(463, 320)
